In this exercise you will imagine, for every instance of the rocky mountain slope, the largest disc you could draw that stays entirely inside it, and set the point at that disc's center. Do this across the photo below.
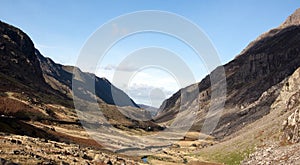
(18, 59)
(267, 140)
(20, 69)
(36, 102)
(285, 114)
(60, 78)
(264, 63)
(23, 65)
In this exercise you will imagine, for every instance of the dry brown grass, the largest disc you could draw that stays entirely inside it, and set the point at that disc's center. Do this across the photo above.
(11, 107)
(77, 140)
(8, 106)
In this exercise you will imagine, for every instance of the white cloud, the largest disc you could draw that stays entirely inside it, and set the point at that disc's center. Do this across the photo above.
(128, 68)
(147, 94)
(149, 86)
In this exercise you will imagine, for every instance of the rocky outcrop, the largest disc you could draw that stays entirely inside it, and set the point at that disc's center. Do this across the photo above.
(287, 104)
(273, 154)
(20, 69)
(293, 19)
(291, 127)
(18, 62)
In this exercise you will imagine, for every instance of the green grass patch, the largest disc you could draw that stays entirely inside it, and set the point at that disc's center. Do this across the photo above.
(230, 157)
(233, 158)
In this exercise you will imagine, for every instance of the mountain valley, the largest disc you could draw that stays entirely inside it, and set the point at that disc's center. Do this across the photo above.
(260, 121)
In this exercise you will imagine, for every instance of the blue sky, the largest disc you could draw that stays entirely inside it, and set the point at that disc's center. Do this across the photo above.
(59, 29)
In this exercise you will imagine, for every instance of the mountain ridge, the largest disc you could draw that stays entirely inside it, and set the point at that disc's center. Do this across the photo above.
(60, 77)
(22, 62)
(263, 63)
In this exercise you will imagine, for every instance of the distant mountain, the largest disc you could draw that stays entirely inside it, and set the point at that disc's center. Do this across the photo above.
(60, 77)
(152, 110)
(265, 62)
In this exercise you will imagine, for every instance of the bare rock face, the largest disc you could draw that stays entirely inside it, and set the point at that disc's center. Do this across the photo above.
(291, 127)
(17, 59)
(286, 110)
(293, 19)
(289, 106)
(20, 69)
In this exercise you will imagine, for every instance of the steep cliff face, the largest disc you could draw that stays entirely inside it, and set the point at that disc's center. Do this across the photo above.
(264, 63)
(20, 69)
(18, 61)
